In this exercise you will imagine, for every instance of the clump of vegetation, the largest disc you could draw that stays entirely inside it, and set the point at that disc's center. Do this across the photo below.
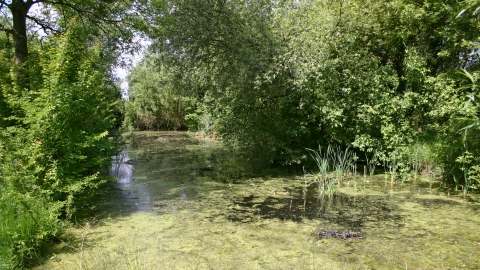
(284, 82)
(342, 164)
(56, 138)
(28, 222)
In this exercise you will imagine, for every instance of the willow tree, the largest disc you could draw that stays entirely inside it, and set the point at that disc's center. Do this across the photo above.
(291, 74)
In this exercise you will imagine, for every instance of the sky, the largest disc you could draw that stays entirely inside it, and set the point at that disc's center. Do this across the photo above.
(122, 72)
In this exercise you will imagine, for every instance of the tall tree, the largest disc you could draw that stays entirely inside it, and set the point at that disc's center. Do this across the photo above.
(53, 16)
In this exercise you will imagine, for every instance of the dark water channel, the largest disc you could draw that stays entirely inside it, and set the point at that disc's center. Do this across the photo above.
(191, 203)
(159, 171)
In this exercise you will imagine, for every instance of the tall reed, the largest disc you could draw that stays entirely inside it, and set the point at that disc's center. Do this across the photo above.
(416, 164)
(335, 158)
(342, 161)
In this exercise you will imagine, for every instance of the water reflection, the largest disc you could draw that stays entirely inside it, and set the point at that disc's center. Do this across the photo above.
(135, 193)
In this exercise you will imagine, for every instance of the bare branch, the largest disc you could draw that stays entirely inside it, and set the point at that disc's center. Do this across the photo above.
(44, 26)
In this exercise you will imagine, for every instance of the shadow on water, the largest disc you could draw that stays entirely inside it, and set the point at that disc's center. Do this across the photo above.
(161, 172)
(343, 210)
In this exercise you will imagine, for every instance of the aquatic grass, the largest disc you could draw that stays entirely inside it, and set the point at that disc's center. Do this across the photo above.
(325, 185)
(385, 168)
(393, 168)
(364, 174)
(416, 164)
(455, 180)
(330, 187)
(404, 173)
(321, 159)
(465, 177)
(372, 163)
(354, 171)
(341, 162)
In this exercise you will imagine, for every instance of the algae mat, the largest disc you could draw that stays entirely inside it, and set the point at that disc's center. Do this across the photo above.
(188, 203)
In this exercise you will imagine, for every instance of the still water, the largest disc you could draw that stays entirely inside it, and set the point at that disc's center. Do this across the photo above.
(182, 202)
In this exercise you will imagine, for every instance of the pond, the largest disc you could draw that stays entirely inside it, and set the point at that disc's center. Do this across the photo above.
(182, 202)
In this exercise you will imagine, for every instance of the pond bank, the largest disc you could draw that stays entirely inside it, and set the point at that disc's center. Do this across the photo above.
(175, 206)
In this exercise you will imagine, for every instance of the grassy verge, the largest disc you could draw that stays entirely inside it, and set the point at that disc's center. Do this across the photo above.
(26, 224)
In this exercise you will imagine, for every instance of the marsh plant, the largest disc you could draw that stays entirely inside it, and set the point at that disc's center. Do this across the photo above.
(416, 163)
(464, 161)
(372, 163)
(342, 160)
(402, 164)
(320, 179)
(354, 172)
(334, 165)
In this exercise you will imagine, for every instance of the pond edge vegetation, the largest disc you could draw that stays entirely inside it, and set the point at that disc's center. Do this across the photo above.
(394, 81)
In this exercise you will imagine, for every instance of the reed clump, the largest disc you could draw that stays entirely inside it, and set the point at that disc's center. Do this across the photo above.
(334, 165)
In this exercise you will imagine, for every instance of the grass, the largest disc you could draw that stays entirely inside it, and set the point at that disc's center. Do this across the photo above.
(26, 224)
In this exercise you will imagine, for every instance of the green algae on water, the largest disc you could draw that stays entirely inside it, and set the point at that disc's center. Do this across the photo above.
(179, 207)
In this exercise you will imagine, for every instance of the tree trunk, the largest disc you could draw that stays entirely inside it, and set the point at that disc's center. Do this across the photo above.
(19, 10)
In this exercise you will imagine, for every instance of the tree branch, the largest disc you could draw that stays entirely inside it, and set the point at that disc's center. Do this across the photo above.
(86, 14)
(5, 29)
(42, 24)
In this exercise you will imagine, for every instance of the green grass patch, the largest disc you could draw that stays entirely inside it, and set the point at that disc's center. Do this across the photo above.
(26, 223)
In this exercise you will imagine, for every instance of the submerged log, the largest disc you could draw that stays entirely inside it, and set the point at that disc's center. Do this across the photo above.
(338, 234)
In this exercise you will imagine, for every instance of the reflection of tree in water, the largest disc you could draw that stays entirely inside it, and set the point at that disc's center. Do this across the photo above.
(134, 192)
(122, 168)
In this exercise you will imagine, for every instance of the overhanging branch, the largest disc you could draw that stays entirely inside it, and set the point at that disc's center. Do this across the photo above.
(44, 26)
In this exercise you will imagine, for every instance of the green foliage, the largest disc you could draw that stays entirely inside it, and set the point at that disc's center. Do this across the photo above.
(28, 222)
(153, 105)
(275, 77)
(68, 119)
(54, 145)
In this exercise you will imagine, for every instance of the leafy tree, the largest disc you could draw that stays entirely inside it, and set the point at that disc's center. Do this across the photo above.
(152, 102)
(61, 144)
(279, 76)
(107, 18)
(53, 156)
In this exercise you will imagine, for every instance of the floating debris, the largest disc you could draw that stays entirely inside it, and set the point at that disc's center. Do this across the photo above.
(338, 234)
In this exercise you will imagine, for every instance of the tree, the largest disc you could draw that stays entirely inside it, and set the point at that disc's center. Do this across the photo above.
(105, 16)
(153, 103)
